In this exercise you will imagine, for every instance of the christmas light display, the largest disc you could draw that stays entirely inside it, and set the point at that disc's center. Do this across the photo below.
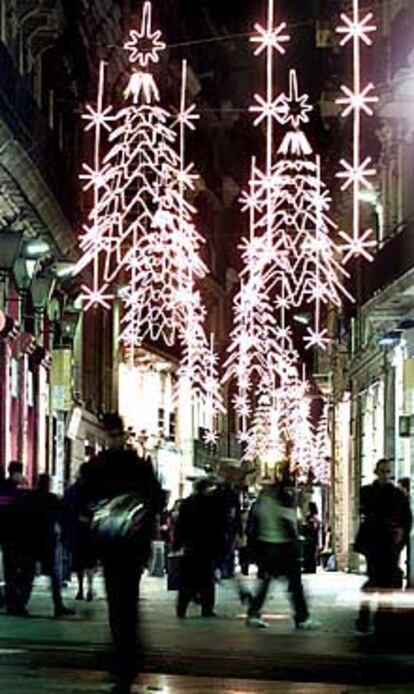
(321, 452)
(357, 101)
(212, 399)
(289, 260)
(141, 234)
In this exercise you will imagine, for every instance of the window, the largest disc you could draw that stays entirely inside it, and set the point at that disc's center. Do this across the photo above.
(161, 421)
(172, 427)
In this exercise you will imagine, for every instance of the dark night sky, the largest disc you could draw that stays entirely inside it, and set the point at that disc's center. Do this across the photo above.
(237, 74)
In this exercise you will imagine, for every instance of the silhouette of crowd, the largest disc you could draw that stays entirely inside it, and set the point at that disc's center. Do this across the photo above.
(110, 514)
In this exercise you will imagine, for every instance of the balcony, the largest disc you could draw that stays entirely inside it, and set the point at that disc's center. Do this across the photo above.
(393, 261)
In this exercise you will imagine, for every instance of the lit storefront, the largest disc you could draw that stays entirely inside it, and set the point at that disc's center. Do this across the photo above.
(161, 419)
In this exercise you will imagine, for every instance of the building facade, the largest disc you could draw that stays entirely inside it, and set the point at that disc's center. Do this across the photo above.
(381, 336)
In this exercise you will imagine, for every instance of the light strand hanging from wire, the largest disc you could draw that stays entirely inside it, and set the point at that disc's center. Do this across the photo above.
(357, 102)
(141, 241)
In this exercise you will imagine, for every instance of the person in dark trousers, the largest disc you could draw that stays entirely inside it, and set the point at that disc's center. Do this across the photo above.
(311, 532)
(43, 516)
(274, 534)
(197, 532)
(228, 506)
(115, 472)
(384, 531)
(242, 540)
(11, 520)
(77, 535)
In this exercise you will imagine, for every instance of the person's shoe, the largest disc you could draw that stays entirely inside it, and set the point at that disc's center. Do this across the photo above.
(209, 614)
(256, 623)
(79, 595)
(64, 612)
(89, 596)
(308, 625)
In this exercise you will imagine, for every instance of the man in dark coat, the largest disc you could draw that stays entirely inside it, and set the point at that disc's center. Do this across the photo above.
(384, 531)
(114, 472)
(42, 511)
(11, 525)
(197, 532)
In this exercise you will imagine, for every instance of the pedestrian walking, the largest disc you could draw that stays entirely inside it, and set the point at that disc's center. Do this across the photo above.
(77, 534)
(383, 533)
(228, 507)
(242, 539)
(198, 533)
(274, 538)
(12, 527)
(42, 516)
(311, 529)
(126, 496)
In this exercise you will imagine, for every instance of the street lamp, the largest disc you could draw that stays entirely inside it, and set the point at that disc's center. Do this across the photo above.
(41, 288)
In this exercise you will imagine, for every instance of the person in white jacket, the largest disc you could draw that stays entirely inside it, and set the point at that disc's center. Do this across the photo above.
(274, 535)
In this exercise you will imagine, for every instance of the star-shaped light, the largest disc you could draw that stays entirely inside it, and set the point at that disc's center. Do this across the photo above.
(359, 175)
(356, 28)
(244, 437)
(316, 338)
(95, 297)
(358, 246)
(297, 107)
(319, 292)
(187, 117)
(276, 109)
(186, 177)
(210, 437)
(283, 333)
(270, 38)
(241, 405)
(144, 44)
(357, 101)
(250, 202)
(94, 177)
(97, 118)
(282, 303)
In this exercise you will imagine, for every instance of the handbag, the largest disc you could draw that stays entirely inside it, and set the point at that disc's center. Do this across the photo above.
(125, 518)
(364, 537)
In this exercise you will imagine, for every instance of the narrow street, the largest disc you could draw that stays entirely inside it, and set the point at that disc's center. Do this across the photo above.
(200, 655)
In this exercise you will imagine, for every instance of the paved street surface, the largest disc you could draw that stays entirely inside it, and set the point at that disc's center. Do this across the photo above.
(62, 682)
(70, 655)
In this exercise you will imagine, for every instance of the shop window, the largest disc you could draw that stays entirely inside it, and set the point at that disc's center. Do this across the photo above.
(172, 427)
(161, 421)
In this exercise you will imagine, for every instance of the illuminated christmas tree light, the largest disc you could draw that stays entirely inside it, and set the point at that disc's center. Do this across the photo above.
(357, 101)
(290, 259)
(321, 455)
(141, 233)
